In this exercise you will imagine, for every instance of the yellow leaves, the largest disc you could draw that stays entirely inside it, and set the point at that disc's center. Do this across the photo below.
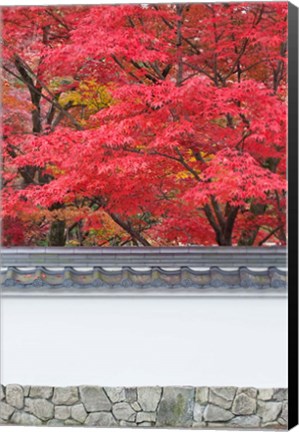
(140, 146)
(191, 160)
(184, 174)
(54, 170)
(90, 95)
(73, 243)
(207, 157)
(71, 96)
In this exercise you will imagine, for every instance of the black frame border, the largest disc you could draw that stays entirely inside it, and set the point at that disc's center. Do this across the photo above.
(293, 323)
(293, 215)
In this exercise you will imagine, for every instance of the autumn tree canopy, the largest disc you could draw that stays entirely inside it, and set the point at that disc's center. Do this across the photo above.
(145, 125)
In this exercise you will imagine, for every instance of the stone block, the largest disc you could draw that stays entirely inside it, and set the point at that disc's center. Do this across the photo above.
(123, 411)
(283, 418)
(269, 411)
(103, 419)
(40, 408)
(176, 407)
(131, 394)
(245, 421)
(198, 425)
(15, 395)
(271, 425)
(115, 394)
(26, 390)
(149, 397)
(25, 419)
(146, 417)
(136, 406)
(71, 422)
(94, 398)
(62, 412)
(213, 413)
(222, 396)
(280, 395)
(249, 391)
(198, 412)
(265, 394)
(65, 395)
(244, 404)
(78, 413)
(5, 410)
(43, 392)
(124, 423)
(202, 395)
(55, 422)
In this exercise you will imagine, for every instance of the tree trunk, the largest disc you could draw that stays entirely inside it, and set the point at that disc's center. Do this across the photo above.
(57, 235)
(223, 225)
(248, 236)
(130, 230)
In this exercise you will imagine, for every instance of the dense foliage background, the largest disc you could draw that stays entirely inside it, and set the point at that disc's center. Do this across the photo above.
(146, 125)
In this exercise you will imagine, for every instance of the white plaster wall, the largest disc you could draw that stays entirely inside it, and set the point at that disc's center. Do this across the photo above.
(144, 341)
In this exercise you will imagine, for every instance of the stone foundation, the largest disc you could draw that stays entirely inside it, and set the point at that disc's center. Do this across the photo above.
(174, 407)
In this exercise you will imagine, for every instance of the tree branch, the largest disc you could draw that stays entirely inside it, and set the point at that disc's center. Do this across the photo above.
(270, 235)
(51, 101)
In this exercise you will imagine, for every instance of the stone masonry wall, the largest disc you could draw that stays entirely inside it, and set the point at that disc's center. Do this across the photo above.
(176, 407)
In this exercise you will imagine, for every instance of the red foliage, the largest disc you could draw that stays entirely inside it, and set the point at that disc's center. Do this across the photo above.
(14, 232)
(190, 150)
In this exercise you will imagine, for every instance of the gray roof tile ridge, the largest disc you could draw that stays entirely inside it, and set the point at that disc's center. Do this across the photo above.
(156, 277)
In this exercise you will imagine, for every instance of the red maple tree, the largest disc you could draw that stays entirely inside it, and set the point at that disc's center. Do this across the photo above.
(145, 124)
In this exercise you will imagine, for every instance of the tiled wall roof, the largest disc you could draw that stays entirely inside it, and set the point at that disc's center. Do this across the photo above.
(142, 257)
(98, 278)
(192, 269)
